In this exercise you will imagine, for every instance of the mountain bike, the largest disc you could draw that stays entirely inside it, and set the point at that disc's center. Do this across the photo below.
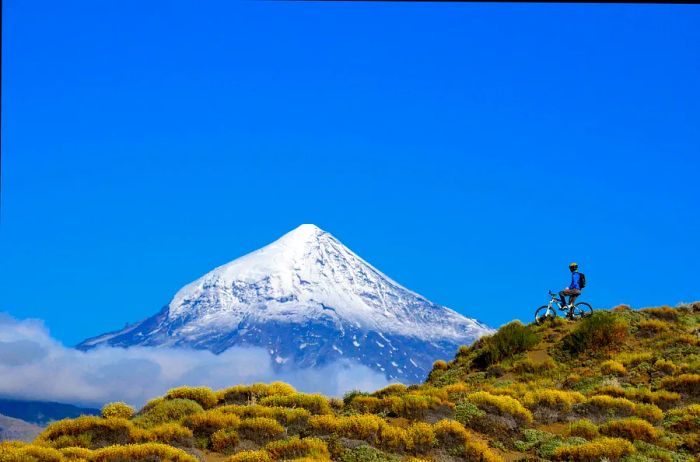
(577, 311)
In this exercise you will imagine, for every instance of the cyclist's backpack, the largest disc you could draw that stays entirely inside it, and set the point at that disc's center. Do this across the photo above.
(581, 280)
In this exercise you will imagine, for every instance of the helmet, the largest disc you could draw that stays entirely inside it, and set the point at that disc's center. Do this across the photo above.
(573, 265)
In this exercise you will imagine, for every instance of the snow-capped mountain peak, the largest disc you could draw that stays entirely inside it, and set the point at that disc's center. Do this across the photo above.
(306, 281)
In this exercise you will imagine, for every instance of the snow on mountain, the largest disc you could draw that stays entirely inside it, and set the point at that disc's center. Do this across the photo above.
(309, 300)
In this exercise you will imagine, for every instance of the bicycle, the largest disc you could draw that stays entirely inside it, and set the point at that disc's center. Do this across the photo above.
(577, 311)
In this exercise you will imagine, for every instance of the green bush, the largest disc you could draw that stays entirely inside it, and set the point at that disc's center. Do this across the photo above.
(599, 331)
(367, 454)
(511, 339)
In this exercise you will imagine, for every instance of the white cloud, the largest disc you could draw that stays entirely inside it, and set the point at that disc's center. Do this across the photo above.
(33, 365)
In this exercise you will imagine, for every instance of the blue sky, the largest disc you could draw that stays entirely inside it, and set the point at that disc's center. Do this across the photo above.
(469, 151)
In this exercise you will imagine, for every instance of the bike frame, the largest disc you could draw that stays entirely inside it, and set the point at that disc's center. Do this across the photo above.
(555, 302)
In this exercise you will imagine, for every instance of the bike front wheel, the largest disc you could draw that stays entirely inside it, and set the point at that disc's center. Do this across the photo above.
(581, 310)
(544, 313)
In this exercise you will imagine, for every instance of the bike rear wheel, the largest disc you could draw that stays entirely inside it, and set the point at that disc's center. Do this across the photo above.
(581, 310)
(544, 313)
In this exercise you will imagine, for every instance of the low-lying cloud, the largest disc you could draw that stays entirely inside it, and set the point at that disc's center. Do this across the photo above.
(35, 366)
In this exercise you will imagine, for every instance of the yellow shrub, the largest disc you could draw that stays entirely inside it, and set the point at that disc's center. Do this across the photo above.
(393, 389)
(295, 447)
(250, 456)
(145, 452)
(621, 308)
(314, 403)
(434, 392)
(88, 431)
(207, 422)
(653, 327)
(121, 410)
(684, 419)
(649, 412)
(415, 459)
(665, 366)
(421, 436)
(478, 451)
(414, 406)
(558, 399)
(160, 411)
(360, 427)
(14, 451)
(202, 395)
(456, 391)
(611, 390)
(692, 442)
(440, 365)
(664, 398)
(368, 404)
(605, 404)
(501, 405)
(394, 439)
(594, 451)
(260, 429)
(169, 433)
(284, 415)
(664, 312)
(450, 434)
(583, 428)
(242, 394)
(528, 366)
(633, 359)
(224, 440)
(686, 384)
(630, 429)
(612, 367)
(682, 339)
(644, 395)
(75, 454)
(324, 424)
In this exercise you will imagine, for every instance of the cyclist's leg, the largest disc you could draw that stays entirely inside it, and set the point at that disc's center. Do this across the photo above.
(562, 296)
(573, 295)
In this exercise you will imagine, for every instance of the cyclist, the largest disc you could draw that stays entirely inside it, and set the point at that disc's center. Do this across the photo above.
(574, 289)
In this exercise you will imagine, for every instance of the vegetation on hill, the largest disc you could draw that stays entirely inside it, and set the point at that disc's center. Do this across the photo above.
(619, 385)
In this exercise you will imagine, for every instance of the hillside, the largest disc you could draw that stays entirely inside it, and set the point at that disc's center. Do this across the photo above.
(16, 429)
(617, 385)
(42, 412)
